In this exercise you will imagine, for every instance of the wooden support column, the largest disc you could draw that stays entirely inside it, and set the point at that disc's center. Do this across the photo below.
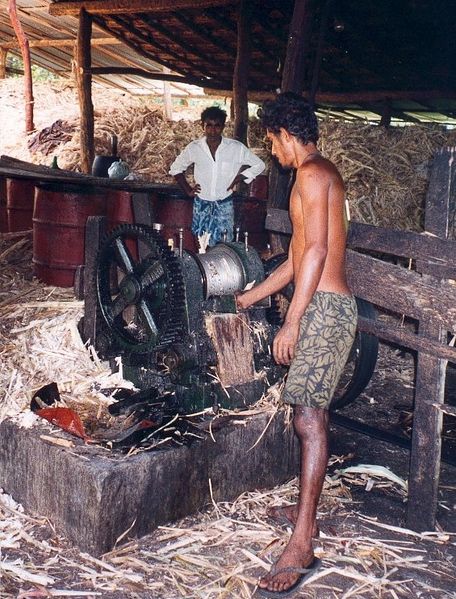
(3, 57)
(292, 80)
(25, 52)
(430, 374)
(167, 98)
(241, 73)
(319, 50)
(84, 82)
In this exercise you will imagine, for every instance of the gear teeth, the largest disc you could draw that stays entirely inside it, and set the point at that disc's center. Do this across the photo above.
(170, 316)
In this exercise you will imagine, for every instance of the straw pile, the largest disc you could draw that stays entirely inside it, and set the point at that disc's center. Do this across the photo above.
(219, 554)
(386, 171)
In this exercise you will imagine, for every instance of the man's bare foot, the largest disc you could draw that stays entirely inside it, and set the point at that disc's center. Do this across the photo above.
(287, 515)
(287, 574)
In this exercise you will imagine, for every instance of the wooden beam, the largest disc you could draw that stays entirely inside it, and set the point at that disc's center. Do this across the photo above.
(361, 97)
(84, 80)
(292, 80)
(430, 371)
(241, 72)
(61, 43)
(111, 7)
(3, 55)
(146, 74)
(25, 52)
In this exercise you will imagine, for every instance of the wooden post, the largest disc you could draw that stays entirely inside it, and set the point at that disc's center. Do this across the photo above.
(319, 51)
(430, 372)
(84, 82)
(25, 52)
(292, 80)
(3, 57)
(241, 73)
(167, 98)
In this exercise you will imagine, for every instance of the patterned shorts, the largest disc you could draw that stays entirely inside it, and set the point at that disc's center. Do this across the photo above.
(326, 335)
(214, 218)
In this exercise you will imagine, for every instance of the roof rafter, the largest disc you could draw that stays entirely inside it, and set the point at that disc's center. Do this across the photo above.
(111, 7)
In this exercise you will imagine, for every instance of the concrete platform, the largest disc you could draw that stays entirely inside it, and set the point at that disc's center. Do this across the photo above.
(93, 496)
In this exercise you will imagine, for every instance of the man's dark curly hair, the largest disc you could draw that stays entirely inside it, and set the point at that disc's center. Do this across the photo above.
(292, 113)
(215, 113)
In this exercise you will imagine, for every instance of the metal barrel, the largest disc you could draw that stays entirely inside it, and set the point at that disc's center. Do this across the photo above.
(250, 216)
(3, 211)
(59, 220)
(174, 210)
(19, 204)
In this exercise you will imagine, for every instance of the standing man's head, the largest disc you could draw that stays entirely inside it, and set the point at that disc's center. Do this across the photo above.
(213, 122)
(289, 120)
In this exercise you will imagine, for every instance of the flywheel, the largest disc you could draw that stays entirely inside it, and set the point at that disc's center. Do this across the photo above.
(140, 289)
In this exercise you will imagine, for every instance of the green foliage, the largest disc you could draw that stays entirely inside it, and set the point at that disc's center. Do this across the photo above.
(38, 73)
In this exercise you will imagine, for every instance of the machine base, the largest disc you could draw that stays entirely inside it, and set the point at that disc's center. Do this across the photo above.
(93, 497)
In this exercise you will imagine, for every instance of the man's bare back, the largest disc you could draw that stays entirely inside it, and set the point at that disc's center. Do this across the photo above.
(333, 277)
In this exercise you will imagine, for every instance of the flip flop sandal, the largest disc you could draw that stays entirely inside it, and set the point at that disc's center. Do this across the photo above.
(304, 575)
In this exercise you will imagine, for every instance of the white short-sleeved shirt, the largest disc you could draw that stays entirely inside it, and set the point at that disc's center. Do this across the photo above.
(214, 176)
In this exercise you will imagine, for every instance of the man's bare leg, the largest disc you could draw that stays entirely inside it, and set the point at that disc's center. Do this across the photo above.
(311, 426)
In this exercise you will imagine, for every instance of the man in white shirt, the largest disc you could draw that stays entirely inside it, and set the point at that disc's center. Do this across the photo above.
(219, 164)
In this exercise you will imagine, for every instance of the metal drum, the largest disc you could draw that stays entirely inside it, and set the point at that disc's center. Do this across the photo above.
(3, 211)
(19, 204)
(174, 210)
(59, 220)
(250, 216)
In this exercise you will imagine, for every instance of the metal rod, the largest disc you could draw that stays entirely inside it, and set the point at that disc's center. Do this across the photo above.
(365, 429)
(236, 236)
(181, 242)
(246, 240)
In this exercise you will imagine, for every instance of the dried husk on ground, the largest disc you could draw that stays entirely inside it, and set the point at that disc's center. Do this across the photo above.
(218, 553)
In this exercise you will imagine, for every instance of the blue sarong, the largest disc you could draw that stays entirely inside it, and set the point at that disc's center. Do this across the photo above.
(213, 217)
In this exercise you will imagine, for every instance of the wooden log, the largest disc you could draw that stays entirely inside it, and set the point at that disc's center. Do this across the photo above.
(241, 72)
(292, 80)
(230, 334)
(84, 81)
(427, 434)
(148, 75)
(437, 256)
(401, 290)
(25, 53)
(390, 332)
(3, 57)
(62, 43)
(319, 50)
(430, 372)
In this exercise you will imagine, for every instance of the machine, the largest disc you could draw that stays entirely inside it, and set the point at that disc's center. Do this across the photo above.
(171, 317)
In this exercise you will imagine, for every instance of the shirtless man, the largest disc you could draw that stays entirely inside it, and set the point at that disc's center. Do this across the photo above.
(319, 327)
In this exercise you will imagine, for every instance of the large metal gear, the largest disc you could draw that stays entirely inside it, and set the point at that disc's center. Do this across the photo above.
(140, 289)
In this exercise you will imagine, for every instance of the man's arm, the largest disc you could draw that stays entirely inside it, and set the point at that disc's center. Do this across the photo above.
(276, 281)
(312, 188)
(178, 168)
(185, 186)
(252, 165)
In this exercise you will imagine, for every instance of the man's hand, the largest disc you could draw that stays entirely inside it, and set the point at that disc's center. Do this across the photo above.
(193, 191)
(237, 179)
(242, 300)
(284, 345)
